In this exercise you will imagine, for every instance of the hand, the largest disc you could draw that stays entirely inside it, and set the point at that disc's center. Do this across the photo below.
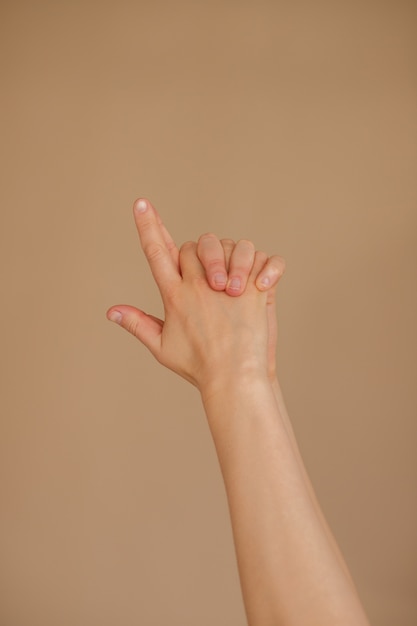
(227, 265)
(205, 334)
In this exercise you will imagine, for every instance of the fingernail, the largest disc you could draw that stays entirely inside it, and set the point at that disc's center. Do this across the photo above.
(115, 316)
(141, 206)
(234, 283)
(220, 280)
(265, 282)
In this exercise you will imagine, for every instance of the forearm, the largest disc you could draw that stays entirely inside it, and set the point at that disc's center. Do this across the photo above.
(290, 571)
(291, 435)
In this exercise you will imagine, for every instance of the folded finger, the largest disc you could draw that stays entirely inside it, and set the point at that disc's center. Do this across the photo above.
(240, 266)
(270, 274)
(228, 247)
(260, 260)
(190, 265)
(211, 254)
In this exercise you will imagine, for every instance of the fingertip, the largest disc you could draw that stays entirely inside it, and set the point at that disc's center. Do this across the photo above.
(207, 236)
(263, 283)
(114, 315)
(219, 281)
(235, 286)
(188, 246)
(141, 205)
(280, 264)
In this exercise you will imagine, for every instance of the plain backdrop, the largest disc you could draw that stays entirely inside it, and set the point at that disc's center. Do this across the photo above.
(292, 123)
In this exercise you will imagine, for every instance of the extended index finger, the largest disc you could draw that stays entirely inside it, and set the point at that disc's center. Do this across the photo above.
(154, 245)
(170, 243)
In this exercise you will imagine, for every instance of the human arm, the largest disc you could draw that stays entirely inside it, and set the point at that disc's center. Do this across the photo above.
(234, 260)
(289, 570)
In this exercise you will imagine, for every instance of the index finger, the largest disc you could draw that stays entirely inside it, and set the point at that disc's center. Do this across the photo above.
(170, 243)
(154, 245)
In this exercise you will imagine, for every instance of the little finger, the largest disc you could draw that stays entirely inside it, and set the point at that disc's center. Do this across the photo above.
(270, 274)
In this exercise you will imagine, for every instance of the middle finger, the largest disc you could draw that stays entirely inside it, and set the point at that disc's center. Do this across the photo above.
(212, 257)
(240, 266)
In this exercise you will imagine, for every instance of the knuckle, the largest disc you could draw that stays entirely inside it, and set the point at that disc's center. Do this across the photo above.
(207, 236)
(279, 264)
(153, 251)
(170, 295)
(247, 243)
(187, 245)
(171, 246)
(132, 326)
(213, 264)
(210, 256)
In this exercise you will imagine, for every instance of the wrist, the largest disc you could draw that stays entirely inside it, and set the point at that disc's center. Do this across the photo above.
(233, 383)
(238, 407)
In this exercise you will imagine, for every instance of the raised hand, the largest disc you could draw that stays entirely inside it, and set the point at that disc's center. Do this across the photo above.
(205, 334)
(291, 570)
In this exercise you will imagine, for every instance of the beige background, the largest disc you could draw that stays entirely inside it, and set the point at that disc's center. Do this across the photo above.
(291, 123)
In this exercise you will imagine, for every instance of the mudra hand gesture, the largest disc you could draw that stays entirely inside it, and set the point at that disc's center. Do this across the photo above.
(208, 330)
(219, 333)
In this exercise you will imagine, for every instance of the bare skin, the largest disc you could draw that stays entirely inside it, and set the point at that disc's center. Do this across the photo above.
(221, 336)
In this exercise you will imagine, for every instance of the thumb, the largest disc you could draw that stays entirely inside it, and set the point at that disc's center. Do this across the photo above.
(146, 328)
